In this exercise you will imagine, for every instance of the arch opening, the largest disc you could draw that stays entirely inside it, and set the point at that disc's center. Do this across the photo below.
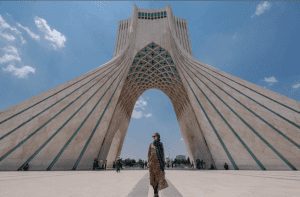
(153, 112)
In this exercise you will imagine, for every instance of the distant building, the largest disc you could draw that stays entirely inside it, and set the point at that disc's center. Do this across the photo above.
(180, 157)
(168, 159)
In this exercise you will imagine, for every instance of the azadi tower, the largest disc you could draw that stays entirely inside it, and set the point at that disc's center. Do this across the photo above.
(222, 118)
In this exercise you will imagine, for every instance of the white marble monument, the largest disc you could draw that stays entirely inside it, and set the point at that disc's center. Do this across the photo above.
(222, 117)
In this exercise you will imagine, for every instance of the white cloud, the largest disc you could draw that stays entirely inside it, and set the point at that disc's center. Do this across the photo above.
(10, 33)
(10, 57)
(21, 72)
(8, 37)
(11, 49)
(11, 54)
(141, 103)
(4, 25)
(148, 115)
(270, 80)
(139, 110)
(56, 39)
(29, 32)
(137, 114)
(296, 86)
(261, 8)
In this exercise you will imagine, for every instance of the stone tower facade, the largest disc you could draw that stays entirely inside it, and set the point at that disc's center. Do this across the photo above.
(222, 117)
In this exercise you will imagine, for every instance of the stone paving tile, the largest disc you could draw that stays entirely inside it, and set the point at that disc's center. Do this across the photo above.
(68, 183)
(236, 183)
(143, 189)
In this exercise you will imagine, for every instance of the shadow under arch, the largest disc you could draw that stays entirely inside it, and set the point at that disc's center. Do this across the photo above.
(153, 67)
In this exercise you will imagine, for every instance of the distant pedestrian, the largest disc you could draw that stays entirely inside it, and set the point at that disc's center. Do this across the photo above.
(105, 163)
(198, 166)
(226, 167)
(118, 165)
(96, 164)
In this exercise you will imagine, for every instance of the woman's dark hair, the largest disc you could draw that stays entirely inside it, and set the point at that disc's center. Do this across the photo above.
(157, 134)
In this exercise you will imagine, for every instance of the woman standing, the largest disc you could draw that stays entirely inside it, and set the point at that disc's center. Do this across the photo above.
(156, 162)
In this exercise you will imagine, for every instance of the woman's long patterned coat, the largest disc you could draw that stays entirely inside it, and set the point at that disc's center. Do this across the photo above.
(157, 176)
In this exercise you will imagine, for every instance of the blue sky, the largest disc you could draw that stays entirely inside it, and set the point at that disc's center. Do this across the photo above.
(44, 44)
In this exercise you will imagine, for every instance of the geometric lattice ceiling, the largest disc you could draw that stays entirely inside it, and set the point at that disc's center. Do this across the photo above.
(153, 67)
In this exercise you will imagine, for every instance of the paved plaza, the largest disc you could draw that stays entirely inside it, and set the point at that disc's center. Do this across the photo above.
(135, 183)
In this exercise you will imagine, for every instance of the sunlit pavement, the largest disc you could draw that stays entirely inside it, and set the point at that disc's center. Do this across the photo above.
(133, 183)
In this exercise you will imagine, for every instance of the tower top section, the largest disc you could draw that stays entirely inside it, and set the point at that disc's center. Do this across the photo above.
(152, 25)
(152, 15)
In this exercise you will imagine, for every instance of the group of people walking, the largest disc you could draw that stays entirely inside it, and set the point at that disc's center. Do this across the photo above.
(96, 165)
(117, 165)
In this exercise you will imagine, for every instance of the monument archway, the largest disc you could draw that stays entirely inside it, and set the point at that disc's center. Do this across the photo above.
(222, 117)
(153, 67)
